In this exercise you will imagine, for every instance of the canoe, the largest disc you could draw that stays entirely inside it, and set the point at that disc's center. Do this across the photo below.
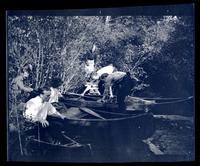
(92, 101)
(124, 127)
(133, 104)
(84, 131)
(90, 123)
(136, 122)
(103, 118)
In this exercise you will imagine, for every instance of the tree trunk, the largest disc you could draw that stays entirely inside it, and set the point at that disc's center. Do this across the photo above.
(38, 62)
(41, 78)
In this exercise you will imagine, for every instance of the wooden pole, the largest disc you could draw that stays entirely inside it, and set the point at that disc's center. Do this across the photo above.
(18, 126)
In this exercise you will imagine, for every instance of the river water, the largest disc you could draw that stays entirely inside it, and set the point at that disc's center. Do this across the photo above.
(173, 140)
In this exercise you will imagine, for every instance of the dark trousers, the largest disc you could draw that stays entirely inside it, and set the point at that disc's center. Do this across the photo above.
(122, 88)
(53, 131)
(49, 133)
(120, 100)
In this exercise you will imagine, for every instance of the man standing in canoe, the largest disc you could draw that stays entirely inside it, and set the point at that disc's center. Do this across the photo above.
(120, 84)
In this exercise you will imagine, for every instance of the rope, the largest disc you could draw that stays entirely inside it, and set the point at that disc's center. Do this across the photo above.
(159, 98)
(178, 101)
(145, 98)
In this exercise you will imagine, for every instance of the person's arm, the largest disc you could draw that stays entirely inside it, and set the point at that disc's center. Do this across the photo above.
(22, 87)
(57, 114)
(44, 123)
(51, 110)
(106, 91)
(87, 89)
(59, 94)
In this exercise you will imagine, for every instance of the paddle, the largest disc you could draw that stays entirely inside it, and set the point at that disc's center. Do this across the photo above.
(89, 111)
(94, 97)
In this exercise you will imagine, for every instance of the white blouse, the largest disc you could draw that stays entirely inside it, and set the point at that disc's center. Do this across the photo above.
(37, 110)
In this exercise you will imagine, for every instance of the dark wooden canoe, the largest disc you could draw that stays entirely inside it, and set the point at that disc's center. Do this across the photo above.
(126, 127)
(76, 100)
(133, 104)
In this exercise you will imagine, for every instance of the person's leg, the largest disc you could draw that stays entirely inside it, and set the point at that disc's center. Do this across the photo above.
(121, 95)
(120, 100)
(106, 93)
(55, 129)
(111, 92)
(124, 88)
(101, 87)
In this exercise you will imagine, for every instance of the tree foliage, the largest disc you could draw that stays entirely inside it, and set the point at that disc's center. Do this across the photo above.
(57, 45)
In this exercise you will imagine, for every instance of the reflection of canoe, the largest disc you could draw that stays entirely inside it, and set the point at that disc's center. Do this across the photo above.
(45, 151)
(75, 100)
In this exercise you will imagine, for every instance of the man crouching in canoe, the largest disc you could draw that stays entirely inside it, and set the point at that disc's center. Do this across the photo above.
(39, 109)
(119, 83)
